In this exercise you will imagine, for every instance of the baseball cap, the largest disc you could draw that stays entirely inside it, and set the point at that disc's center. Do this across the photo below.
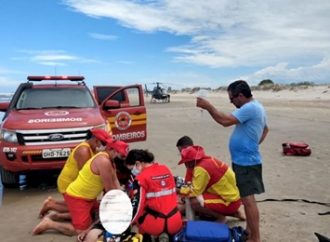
(120, 146)
(101, 134)
(191, 153)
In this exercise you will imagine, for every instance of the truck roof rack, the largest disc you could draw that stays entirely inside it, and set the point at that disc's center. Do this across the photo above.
(59, 78)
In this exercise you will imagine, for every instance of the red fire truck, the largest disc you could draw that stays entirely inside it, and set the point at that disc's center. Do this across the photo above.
(49, 115)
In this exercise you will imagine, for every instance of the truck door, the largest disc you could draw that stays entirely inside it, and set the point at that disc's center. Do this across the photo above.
(124, 109)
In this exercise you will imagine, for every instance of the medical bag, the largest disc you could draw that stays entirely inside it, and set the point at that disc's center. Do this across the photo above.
(296, 148)
(200, 231)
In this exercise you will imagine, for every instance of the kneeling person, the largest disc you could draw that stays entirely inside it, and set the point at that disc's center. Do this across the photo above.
(213, 192)
(155, 201)
(97, 175)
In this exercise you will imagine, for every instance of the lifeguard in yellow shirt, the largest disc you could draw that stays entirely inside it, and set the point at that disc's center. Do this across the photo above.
(96, 141)
(213, 191)
(97, 175)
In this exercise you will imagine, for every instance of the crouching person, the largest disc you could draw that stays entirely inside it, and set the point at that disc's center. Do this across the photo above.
(213, 192)
(155, 199)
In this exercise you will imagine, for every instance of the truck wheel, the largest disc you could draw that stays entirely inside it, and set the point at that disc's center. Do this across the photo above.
(9, 179)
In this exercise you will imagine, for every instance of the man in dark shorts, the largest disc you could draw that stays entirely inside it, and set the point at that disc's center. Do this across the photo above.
(250, 130)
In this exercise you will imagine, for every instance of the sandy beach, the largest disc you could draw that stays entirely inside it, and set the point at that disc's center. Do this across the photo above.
(293, 115)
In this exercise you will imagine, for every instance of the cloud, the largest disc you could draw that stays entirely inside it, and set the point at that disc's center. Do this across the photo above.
(52, 57)
(227, 33)
(282, 73)
(146, 16)
(103, 36)
(6, 82)
(4, 70)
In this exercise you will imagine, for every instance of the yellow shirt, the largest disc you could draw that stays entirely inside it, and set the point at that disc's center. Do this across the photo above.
(70, 170)
(215, 177)
(87, 185)
(225, 187)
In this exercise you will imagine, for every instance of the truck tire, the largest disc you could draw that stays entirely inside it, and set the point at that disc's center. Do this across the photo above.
(9, 179)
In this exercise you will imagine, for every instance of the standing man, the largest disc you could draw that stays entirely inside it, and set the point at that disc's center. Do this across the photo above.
(250, 130)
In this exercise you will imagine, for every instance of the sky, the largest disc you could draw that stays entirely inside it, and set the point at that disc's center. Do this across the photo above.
(181, 43)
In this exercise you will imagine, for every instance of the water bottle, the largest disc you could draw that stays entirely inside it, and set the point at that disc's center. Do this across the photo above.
(190, 214)
(203, 94)
(22, 182)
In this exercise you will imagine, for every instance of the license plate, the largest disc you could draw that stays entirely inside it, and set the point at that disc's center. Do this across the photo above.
(55, 153)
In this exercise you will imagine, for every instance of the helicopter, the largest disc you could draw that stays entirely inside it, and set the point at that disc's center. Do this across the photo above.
(158, 93)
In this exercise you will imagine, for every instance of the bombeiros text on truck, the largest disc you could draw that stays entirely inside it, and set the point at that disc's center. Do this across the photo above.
(49, 115)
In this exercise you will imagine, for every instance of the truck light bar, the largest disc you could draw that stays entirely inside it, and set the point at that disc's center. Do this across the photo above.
(41, 78)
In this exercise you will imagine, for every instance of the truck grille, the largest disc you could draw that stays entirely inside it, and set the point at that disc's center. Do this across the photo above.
(52, 136)
(38, 158)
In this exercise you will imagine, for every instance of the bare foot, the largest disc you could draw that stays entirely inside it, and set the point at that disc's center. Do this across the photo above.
(42, 226)
(46, 206)
(51, 215)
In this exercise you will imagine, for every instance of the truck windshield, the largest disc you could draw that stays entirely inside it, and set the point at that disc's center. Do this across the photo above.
(55, 98)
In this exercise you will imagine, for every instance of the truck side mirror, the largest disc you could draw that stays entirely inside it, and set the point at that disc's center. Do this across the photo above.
(4, 106)
(111, 104)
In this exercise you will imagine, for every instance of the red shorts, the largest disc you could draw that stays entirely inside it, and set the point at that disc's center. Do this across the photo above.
(155, 225)
(216, 203)
(81, 211)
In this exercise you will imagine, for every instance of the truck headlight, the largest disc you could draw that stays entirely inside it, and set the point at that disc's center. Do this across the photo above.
(9, 136)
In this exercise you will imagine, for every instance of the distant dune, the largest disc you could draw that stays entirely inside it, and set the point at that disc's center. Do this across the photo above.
(284, 92)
